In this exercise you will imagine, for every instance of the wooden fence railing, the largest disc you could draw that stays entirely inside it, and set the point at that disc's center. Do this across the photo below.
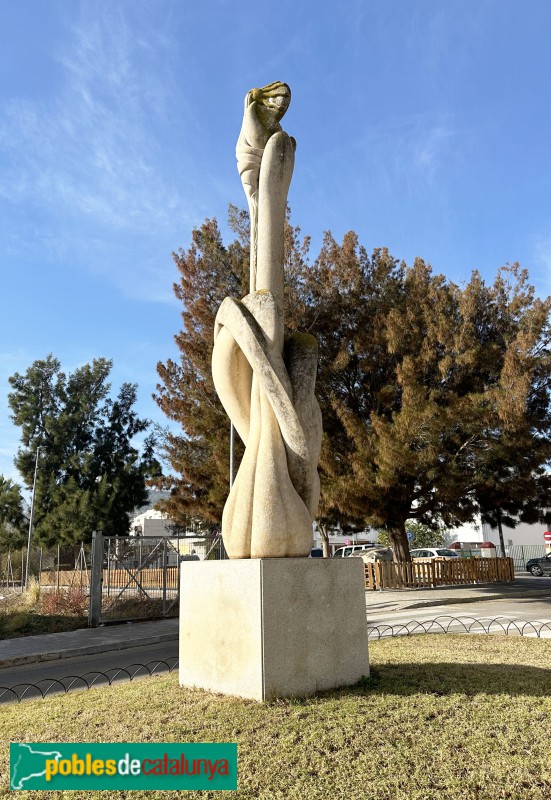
(149, 578)
(379, 575)
(417, 574)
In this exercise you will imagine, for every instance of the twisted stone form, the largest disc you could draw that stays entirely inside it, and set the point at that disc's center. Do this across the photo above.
(265, 383)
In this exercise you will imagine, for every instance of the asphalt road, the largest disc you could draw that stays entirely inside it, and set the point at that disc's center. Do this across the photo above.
(76, 673)
(529, 615)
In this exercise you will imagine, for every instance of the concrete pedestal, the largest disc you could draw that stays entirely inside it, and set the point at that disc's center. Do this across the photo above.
(275, 627)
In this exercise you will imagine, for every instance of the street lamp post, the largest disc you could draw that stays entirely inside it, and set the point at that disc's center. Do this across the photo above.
(31, 519)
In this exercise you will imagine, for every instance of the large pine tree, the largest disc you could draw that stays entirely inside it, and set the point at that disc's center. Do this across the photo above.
(419, 381)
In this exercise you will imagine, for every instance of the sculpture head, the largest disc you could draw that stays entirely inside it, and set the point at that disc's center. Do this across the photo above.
(272, 101)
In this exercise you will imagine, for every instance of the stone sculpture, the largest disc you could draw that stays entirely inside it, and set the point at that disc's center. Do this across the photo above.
(265, 382)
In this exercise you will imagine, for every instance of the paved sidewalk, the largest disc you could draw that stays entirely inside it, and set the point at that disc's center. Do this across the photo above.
(47, 647)
(50, 646)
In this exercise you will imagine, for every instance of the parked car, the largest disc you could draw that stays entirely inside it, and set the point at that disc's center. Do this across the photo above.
(374, 554)
(434, 552)
(539, 566)
(345, 552)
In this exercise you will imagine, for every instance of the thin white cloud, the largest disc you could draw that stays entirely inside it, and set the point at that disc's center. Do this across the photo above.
(90, 156)
(92, 150)
(405, 154)
(430, 150)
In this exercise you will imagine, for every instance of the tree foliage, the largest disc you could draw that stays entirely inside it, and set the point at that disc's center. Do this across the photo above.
(421, 536)
(513, 480)
(419, 379)
(89, 476)
(434, 397)
(199, 455)
(12, 515)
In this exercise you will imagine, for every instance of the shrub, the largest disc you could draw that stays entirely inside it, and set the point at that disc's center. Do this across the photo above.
(31, 596)
(71, 602)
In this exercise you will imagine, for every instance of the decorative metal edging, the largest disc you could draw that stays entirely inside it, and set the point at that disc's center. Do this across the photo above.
(89, 680)
(463, 624)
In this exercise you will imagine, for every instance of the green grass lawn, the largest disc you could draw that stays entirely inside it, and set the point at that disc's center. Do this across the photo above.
(447, 717)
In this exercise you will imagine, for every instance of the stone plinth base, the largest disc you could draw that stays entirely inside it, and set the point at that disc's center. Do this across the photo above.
(274, 627)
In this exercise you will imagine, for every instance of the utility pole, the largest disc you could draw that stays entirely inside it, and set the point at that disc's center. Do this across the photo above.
(501, 539)
(31, 519)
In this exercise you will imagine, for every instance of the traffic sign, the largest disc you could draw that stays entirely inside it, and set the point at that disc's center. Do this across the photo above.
(547, 536)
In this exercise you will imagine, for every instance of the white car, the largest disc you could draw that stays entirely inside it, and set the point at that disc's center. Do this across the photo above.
(434, 552)
(353, 549)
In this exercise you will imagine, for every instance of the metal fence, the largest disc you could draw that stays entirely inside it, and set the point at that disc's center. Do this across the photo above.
(462, 624)
(139, 578)
(520, 553)
(124, 578)
(60, 566)
(524, 552)
(88, 680)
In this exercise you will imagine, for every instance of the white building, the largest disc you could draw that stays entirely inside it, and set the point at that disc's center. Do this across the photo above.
(151, 523)
(475, 533)
(148, 522)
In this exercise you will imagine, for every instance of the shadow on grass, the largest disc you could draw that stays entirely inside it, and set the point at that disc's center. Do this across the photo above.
(439, 680)
(446, 678)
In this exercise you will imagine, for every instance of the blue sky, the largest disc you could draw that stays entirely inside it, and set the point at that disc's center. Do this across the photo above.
(422, 125)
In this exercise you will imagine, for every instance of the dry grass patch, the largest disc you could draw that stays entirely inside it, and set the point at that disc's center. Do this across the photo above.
(447, 717)
(137, 607)
(36, 611)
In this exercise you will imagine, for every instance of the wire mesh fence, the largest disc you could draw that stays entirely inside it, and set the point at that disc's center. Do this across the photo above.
(62, 566)
(520, 554)
(138, 577)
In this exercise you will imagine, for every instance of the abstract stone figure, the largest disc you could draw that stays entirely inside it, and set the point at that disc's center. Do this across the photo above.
(266, 384)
